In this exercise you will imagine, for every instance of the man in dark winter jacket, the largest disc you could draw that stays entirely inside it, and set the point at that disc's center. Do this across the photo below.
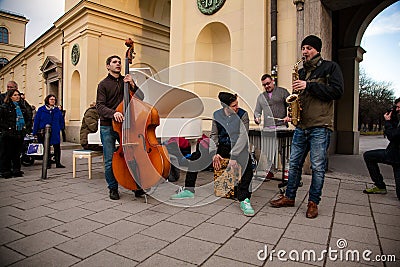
(320, 83)
(390, 155)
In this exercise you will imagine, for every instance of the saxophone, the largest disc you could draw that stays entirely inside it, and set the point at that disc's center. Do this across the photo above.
(293, 99)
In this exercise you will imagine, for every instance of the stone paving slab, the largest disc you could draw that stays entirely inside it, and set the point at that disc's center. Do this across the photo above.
(65, 221)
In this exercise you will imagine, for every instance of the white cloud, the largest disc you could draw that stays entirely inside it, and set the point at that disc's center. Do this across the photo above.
(41, 14)
(385, 22)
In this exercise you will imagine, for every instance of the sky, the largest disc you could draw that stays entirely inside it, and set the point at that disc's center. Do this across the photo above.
(381, 40)
(41, 14)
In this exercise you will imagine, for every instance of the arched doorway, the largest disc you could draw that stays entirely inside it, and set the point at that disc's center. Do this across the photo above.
(349, 21)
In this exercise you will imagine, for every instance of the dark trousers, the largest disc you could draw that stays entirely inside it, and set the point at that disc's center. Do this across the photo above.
(64, 136)
(57, 154)
(203, 158)
(10, 153)
(372, 158)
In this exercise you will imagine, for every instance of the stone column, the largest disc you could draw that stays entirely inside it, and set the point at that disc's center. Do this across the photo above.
(300, 24)
(347, 107)
(90, 57)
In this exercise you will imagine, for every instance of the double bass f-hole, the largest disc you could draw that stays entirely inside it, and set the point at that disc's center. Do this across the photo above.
(141, 136)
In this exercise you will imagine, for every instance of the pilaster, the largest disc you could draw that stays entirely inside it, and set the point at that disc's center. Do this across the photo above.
(346, 112)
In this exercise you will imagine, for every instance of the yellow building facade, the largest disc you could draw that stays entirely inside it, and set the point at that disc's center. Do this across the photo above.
(253, 37)
(12, 35)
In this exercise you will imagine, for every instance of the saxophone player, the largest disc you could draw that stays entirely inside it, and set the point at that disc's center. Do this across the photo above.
(320, 83)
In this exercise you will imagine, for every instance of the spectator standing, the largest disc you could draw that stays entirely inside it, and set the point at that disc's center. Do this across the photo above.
(14, 122)
(50, 114)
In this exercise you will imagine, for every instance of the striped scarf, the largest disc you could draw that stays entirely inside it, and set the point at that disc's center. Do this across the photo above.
(20, 122)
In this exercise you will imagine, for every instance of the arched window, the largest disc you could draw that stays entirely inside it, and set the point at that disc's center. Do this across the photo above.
(3, 35)
(3, 62)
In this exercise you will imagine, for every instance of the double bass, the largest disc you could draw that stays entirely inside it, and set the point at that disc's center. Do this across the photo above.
(140, 161)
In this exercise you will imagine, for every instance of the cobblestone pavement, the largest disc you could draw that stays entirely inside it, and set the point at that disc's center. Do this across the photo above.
(65, 221)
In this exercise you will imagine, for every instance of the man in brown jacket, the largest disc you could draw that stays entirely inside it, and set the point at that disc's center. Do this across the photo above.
(90, 124)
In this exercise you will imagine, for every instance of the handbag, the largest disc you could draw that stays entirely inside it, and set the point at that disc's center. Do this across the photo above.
(35, 149)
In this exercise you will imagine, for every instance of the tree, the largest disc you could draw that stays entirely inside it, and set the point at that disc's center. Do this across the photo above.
(376, 97)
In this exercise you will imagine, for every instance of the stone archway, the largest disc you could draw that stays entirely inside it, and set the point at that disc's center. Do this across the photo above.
(341, 27)
(349, 22)
(52, 73)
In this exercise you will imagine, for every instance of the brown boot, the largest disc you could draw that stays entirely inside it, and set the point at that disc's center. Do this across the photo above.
(283, 201)
(312, 211)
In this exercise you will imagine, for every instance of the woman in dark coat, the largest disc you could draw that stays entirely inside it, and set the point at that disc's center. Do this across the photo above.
(14, 120)
(49, 113)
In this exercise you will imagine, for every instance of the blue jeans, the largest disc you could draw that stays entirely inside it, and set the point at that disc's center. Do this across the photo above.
(108, 137)
(316, 140)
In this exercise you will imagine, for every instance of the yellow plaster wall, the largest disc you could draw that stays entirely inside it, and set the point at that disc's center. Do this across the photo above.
(248, 25)
(16, 28)
(26, 68)
(16, 35)
(146, 9)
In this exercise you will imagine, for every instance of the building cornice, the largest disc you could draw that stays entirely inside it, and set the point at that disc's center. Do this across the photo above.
(87, 7)
(84, 10)
(10, 15)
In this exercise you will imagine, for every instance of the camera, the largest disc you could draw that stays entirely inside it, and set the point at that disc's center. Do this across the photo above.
(393, 116)
(391, 109)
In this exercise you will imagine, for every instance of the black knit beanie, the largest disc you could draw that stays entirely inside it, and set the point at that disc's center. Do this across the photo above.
(313, 41)
(227, 98)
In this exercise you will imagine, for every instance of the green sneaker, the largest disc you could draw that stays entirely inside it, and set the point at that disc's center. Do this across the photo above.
(183, 194)
(245, 206)
(375, 190)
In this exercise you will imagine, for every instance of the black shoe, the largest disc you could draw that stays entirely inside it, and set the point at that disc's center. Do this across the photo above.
(6, 175)
(60, 165)
(114, 195)
(18, 174)
(49, 166)
(139, 192)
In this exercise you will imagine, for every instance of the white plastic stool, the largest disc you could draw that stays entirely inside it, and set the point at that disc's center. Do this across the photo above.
(82, 153)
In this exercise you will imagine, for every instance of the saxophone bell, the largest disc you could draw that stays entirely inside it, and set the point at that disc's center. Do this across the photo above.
(291, 98)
